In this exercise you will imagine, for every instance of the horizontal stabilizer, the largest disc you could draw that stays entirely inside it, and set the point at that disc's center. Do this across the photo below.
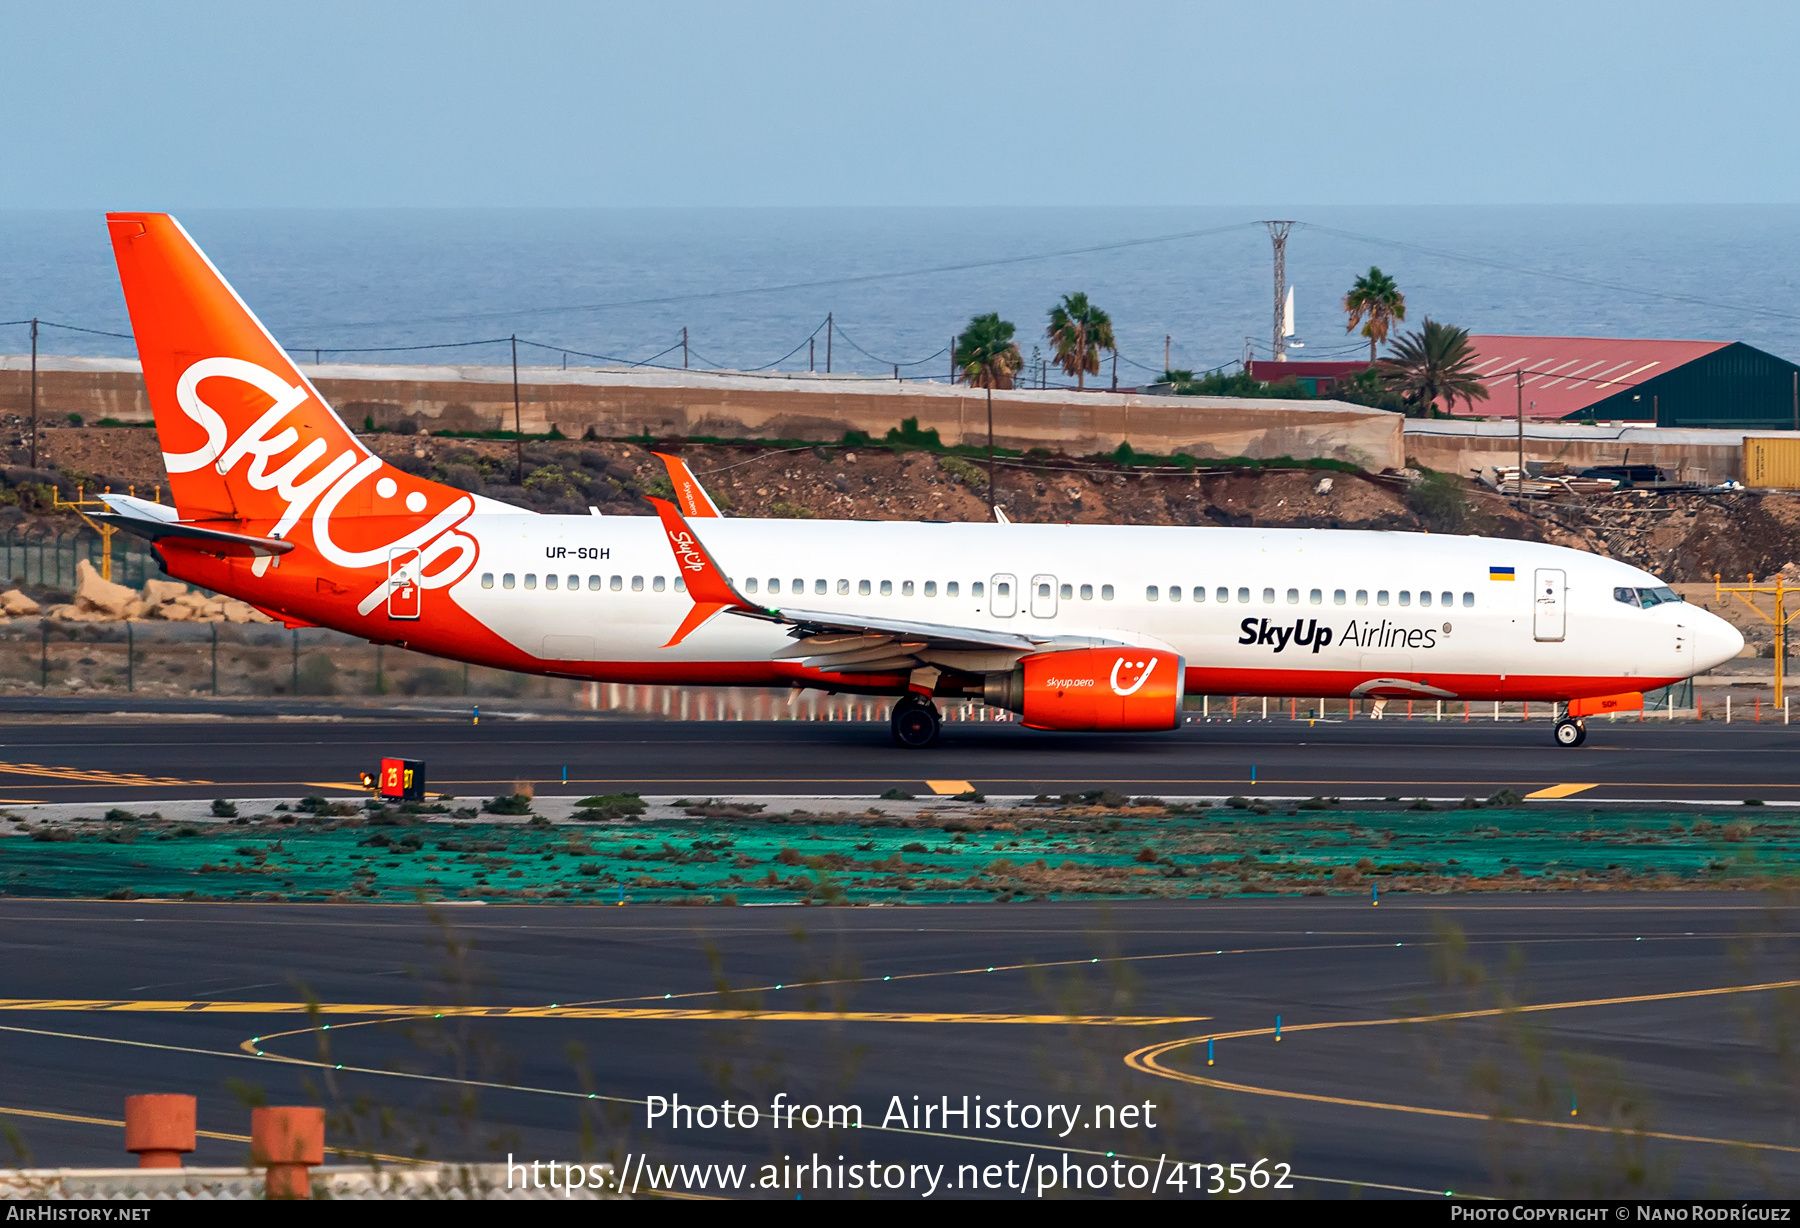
(158, 522)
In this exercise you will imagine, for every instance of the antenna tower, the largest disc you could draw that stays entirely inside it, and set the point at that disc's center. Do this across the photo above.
(1278, 235)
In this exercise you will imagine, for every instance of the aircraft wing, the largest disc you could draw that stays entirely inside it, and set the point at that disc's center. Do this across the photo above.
(849, 643)
(859, 644)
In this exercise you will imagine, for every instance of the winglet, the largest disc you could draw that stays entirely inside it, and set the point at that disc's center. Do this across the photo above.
(706, 584)
(690, 496)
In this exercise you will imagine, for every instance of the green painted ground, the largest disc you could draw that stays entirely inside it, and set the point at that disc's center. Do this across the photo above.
(728, 853)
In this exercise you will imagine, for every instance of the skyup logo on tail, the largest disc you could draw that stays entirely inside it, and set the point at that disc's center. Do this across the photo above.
(268, 440)
(1307, 633)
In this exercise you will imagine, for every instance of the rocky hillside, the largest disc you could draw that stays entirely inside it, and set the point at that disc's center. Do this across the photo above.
(1681, 537)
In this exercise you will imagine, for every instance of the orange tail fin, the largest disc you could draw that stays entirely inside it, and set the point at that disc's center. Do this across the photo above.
(247, 439)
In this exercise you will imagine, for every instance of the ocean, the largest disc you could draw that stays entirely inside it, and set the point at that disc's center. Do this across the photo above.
(751, 285)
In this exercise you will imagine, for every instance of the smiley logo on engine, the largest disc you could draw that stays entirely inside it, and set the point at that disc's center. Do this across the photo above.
(1149, 667)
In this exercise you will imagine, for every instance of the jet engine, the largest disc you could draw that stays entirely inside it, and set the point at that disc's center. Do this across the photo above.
(1125, 689)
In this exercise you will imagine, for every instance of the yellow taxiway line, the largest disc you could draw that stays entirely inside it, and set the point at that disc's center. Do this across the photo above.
(393, 1011)
(1148, 1060)
(1559, 791)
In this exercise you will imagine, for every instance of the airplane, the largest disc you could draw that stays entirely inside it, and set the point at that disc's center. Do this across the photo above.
(1072, 627)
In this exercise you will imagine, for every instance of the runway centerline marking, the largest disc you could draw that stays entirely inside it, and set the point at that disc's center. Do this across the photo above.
(1555, 791)
(1148, 1061)
(393, 1011)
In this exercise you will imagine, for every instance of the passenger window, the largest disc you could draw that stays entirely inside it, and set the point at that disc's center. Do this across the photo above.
(1293, 596)
(1150, 593)
(950, 589)
(1222, 596)
(506, 581)
(1087, 592)
(862, 588)
(1002, 589)
(906, 588)
(1362, 596)
(1315, 597)
(1268, 596)
(637, 583)
(887, 588)
(1106, 592)
(1424, 599)
(657, 584)
(843, 588)
(618, 582)
(1381, 597)
(1243, 596)
(487, 579)
(1337, 596)
(1405, 596)
(593, 584)
(931, 588)
(1174, 592)
(1468, 600)
(1065, 592)
(530, 579)
(574, 583)
(1199, 593)
(1043, 592)
(818, 588)
(750, 585)
(550, 583)
(680, 585)
(1447, 599)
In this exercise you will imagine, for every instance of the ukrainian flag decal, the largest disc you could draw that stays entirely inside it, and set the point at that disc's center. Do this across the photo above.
(1500, 573)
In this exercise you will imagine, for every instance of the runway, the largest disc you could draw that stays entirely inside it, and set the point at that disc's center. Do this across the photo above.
(1654, 1015)
(119, 757)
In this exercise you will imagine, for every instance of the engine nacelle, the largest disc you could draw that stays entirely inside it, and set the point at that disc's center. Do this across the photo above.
(1126, 689)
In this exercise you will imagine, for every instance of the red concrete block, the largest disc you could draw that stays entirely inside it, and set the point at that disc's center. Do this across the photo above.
(287, 1141)
(159, 1129)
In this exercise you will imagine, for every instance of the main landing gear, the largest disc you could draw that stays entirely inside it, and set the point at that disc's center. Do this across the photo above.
(1570, 732)
(914, 722)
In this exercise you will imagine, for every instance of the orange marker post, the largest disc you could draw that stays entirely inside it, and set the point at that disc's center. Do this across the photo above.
(287, 1141)
(159, 1129)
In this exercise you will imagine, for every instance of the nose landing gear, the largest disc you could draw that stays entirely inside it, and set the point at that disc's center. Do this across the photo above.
(1570, 732)
(914, 722)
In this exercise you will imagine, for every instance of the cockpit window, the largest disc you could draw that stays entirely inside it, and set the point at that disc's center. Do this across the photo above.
(1646, 597)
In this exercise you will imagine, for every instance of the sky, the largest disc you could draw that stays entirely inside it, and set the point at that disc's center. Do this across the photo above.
(786, 102)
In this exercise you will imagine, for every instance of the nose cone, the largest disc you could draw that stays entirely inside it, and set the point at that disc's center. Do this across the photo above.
(1715, 641)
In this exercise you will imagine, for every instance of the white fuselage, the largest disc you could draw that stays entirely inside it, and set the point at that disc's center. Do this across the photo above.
(1257, 611)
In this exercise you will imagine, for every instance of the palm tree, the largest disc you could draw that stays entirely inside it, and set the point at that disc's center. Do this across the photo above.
(1376, 303)
(988, 358)
(1079, 331)
(1433, 362)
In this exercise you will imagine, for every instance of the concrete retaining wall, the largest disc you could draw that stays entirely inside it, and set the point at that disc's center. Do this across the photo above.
(1691, 455)
(618, 404)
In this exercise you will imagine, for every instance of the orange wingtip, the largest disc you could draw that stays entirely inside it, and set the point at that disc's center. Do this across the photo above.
(705, 582)
(690, 496)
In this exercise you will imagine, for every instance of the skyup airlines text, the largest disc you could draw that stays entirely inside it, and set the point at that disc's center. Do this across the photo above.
(1307, 633)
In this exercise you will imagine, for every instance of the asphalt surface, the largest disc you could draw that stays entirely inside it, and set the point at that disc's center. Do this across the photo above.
(1403, 1107)
(102, 757)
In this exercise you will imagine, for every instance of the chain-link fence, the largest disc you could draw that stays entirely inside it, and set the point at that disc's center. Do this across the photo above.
(45, 556)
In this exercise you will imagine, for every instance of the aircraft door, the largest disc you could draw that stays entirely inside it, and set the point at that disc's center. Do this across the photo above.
(403, 591)
(1043, 596)
(1549, 613)
(1003, 596)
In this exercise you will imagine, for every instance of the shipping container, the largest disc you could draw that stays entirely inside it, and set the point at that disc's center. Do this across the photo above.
(1772, 461)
